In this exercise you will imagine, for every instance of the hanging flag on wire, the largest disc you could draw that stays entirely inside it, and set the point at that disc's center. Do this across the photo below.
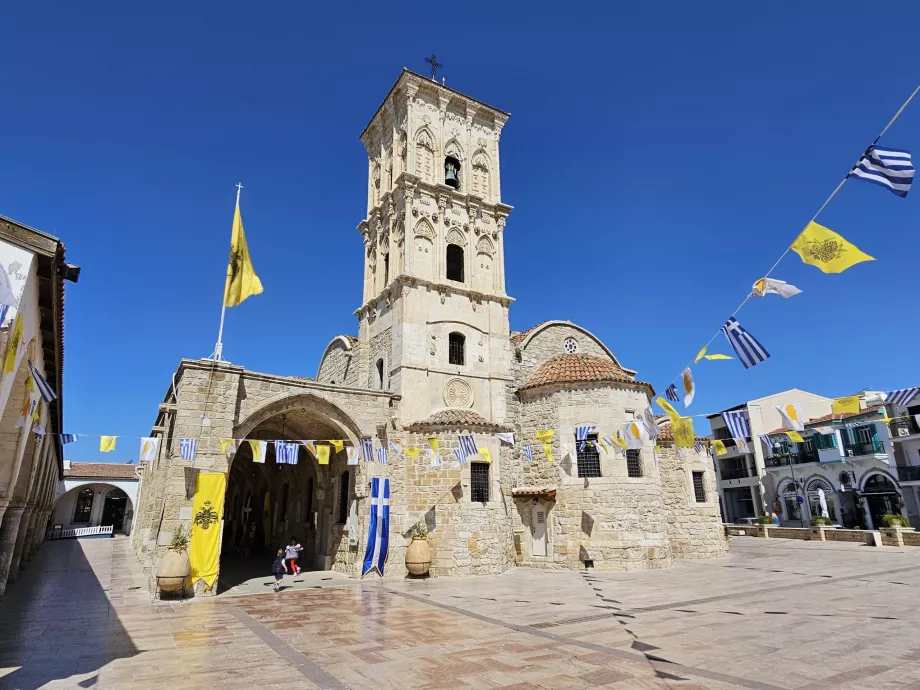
(434, 457)
(689, 386)
(770, 286)
(698, 447)
(188, 447)
(822, 247)
(107, 443)
(461, 458)
(367, 449)
(765, 439)
(795, 436)
(506, 437)
(39, 431)
(259, 449)
(737, 423)
(467, 445)
(286, 453)
(793, 417)
(382, 455)
(716, 356)
(68, 438)
(148, 449)
(528, 451)
(901, 396)
(700, 355)
(719, 447)
(741, 445)
(322, 454)
(352, 455)
(44, 389)
(632, 432)
(847, 405)
(581, 435)
(749, 350)
(671, 393)
(648, 421)
(378, 535)
(886, 167)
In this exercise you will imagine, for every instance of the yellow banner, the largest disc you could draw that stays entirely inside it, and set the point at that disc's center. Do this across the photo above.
(545, 436)
(207, 509)
(12, 346)
(548, 449)
(412, 452)
(434, 442)
(322, 455)
(719, 446)
(338, 445)
(682, 428)
(795, 436)
(484, 452)
(849, 404)
(242, 280)
(667, 407)
(822, 247)
(107, 443)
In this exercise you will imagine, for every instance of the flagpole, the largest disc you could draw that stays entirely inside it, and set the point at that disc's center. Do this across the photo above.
(219, 347)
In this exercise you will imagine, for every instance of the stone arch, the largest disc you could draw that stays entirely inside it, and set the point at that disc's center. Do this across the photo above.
(873, 473)
(453, 148)
(330, 414)
(423, 261)
(423, 229)
(455, 236)
(65, 505)
(484, 246)
(548, 324)
(482, 175)
(484, 266)
(424, 154)
(335, 371)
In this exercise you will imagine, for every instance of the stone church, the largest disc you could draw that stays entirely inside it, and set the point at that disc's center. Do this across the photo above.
(434, 357)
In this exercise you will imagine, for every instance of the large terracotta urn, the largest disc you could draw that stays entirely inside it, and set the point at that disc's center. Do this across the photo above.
(418, 556)
(174, 570)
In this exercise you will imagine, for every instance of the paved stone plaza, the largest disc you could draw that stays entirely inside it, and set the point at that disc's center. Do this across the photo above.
(772, 614)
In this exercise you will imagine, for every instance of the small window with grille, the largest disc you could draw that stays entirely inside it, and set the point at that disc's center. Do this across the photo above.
(699, 489)
(633, 463)
(456, 344)
(589, 460)
(479, 482)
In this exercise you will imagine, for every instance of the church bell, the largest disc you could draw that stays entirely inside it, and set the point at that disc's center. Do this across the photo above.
(451, 176)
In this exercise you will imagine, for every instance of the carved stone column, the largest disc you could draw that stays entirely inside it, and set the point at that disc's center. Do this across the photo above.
(9, 530)
(24, 521)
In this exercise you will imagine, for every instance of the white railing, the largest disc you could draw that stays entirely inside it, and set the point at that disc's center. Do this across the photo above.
(81, 532)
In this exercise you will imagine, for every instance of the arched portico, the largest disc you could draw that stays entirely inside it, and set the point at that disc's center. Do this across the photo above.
(94, 503)
(267, 503)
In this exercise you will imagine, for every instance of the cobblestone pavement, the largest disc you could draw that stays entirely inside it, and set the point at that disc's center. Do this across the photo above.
(772, 614)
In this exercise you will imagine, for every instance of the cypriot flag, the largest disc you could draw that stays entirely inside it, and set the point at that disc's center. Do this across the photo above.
(769, 286)
(792, 415)
(689, 387)
(148, 451)
(632, 431)
(228, 446)
(352, 454)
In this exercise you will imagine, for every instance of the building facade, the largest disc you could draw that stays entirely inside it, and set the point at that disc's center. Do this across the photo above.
(31, 329)
(435, 357)
(93, 494)
(844, 470)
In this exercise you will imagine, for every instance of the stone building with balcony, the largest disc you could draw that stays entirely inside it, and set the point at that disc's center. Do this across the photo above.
(904, 429)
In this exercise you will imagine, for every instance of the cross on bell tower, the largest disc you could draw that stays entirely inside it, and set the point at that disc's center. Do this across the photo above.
(435, 65)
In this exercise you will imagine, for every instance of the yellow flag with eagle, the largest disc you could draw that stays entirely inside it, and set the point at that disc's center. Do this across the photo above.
(207, 511)
(242, 280)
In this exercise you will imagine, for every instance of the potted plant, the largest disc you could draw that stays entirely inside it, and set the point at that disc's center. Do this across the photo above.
(174, 568)
(418, 554)
(819, 521)
(894, 520)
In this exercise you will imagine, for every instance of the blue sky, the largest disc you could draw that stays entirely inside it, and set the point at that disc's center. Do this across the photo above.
(659, 159)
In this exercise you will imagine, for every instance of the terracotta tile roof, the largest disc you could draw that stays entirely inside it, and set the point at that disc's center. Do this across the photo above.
(453, 418)
(566, 368)
(518, 338)
(102, 470)
(548, 491)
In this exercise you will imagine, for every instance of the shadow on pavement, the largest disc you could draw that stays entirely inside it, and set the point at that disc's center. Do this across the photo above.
(58, 619)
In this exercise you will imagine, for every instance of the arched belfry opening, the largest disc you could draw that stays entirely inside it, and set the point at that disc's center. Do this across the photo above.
(452, 171)
(268, 503)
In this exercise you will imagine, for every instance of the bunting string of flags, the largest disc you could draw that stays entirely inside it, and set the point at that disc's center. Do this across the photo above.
(817, 246)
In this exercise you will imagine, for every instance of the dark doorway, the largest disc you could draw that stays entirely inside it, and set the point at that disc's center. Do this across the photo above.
(113, 510)
(882, 497)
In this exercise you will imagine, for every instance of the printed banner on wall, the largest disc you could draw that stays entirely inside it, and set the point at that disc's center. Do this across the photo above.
(208, 509)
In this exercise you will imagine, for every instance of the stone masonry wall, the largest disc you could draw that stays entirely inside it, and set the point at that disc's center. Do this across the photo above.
(694, 529)
(547, 342)
(337, 367)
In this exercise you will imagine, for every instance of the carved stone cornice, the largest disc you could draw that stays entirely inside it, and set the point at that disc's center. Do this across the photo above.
(406, 280)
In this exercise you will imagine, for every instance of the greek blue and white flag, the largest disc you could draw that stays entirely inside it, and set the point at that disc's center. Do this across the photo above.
(698, 447)
(378, 533)
(367, 449)
(187, 448)
(43, 388)
(461, 458)
(737, 423)
(745, 345)
(581, 435)
(528, 451)
(286, 453)
(68, 438)
(886, 167)
(382, 455)
(901, 396)
(467, 445)
(671, 393)
(4, 308)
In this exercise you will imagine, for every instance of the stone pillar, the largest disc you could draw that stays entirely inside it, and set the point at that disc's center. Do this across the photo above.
(25, 520)
(9, 530)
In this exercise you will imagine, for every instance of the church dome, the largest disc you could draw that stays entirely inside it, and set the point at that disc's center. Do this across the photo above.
(575, 368)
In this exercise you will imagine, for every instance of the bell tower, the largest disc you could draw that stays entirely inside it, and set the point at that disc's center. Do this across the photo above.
(433, 324)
